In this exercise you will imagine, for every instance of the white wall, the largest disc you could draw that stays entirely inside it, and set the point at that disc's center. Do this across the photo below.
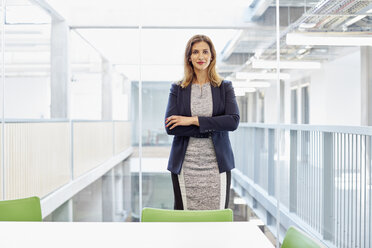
(271, 104)
(335, 92)
(120, 97)
(86, 101)
(27, 98)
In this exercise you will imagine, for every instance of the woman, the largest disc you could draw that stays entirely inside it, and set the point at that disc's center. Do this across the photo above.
(201, 110)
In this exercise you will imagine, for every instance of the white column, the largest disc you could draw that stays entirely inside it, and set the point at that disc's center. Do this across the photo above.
(127, 191)
(60, 69)
(108, 196)
(64, 213)
(366, 85)
(106, 90)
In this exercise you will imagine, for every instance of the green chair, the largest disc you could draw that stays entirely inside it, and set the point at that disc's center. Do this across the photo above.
(295, 238)
(164, 215)
(27, 209)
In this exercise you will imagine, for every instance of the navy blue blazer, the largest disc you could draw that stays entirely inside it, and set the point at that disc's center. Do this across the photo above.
(225, 118)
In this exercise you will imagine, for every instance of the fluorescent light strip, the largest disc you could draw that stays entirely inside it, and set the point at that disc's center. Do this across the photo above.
(261, 76)
(242, 91)
(327, 39)
(239, 92)
(354, 20)
(286, 64)
(254, 84)
(307, 25)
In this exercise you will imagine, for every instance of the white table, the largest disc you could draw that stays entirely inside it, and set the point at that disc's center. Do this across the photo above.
(127, 234)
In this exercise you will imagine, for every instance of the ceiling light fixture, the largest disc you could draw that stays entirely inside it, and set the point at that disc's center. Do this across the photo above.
(354, 20)
(302, 51)
(329, 39)
(307, 25)
(286, 64)
(242, 91)
(261, 76)
(250, 84)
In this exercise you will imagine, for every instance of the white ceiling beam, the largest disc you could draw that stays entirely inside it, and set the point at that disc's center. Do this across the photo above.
(156, 27)
(255, 12)
(49, 9)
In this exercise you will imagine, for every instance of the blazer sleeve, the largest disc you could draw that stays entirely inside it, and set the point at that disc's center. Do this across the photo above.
(192, 131)
(229, 121)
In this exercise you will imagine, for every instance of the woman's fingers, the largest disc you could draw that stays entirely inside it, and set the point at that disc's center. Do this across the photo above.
(174, 121)
(171, 122)
(170, 118)
(175, 125)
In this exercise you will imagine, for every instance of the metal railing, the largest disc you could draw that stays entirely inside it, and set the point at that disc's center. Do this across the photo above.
(325, 179)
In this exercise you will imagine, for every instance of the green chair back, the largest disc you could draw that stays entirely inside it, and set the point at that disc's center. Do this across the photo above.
(164, 215)
(27, 209)
(295, 238)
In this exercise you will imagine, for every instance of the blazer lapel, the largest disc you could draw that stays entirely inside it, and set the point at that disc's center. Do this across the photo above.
(215, 99)
(187, 100)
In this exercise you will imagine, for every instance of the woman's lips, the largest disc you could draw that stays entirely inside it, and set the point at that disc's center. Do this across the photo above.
(200, 63)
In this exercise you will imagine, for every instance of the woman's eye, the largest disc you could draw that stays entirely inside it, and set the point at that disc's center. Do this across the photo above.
(205, 52)
(195, 52)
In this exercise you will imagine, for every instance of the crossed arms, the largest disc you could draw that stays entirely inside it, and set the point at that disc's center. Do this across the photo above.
(197, 126)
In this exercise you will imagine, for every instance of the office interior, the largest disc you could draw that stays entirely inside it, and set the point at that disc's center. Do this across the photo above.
(85, 84)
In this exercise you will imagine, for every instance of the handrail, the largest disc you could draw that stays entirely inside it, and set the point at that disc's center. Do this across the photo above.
(361, 130)
(57, 120)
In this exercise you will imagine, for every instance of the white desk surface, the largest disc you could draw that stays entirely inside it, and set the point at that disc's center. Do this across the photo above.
(129, 234)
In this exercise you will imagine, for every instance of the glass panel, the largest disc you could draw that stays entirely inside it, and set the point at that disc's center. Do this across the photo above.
(27, 62)
(87, 73)
(101, 102)
(29, 131)
(2, 168)
(325, 50)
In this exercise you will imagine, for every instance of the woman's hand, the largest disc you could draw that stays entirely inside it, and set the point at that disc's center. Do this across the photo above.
(178, 120)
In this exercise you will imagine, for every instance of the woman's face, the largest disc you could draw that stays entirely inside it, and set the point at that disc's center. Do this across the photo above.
(200, 56)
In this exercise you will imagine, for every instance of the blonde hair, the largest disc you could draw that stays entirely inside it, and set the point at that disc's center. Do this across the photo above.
(189, 74)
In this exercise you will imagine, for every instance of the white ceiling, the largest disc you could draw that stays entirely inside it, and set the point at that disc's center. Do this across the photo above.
(111, 27)
(161, 49)
(151, 13)
(158, 46)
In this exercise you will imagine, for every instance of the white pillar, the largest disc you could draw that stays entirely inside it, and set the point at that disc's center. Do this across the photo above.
(108, 196)
(127, 184)
(60, 69)
(366, 85)
(64, 213)
(106, 90)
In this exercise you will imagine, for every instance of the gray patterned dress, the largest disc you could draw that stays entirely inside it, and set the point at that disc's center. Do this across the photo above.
(202, 186)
